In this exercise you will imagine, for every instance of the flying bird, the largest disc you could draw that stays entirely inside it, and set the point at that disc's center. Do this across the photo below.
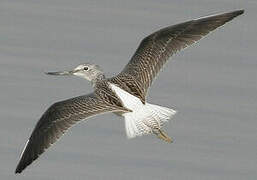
(124, 94)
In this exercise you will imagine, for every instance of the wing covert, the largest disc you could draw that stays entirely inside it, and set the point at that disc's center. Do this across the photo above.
(56, 120)
(155, 49)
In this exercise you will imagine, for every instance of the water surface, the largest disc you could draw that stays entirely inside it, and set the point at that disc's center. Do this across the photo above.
(213, 86)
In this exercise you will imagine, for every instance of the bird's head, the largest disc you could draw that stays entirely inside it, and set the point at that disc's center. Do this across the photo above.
(88, 71)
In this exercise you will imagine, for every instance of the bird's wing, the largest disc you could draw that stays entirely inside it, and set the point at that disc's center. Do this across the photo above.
(155, 49)
(56, 120)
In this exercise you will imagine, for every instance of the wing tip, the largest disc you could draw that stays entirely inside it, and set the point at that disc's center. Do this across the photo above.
(24, 163)
(238, 12)
(241, 11)
(20, 167)
(18, 171)
(230, 14)
(233, 14)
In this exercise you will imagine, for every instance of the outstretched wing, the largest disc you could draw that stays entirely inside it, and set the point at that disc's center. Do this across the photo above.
(56, 120)
(155, 49)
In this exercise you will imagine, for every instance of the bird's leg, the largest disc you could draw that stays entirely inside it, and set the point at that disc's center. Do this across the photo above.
(162, 135)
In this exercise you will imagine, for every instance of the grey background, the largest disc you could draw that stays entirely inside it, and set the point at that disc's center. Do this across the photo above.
(213, 86)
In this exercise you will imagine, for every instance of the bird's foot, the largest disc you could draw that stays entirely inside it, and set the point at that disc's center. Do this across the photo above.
(162, 135)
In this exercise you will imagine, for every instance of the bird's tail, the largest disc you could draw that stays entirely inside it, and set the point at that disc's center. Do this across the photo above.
(148, 119)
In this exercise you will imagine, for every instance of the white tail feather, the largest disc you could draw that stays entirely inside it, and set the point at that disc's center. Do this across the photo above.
(145, 119)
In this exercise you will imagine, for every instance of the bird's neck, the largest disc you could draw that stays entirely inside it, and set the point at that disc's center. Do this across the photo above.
(98, 78)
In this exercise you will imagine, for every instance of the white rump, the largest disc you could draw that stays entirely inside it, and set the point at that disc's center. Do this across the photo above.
(144, 117)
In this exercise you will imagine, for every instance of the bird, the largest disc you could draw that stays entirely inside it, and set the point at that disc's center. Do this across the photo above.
(124, 94)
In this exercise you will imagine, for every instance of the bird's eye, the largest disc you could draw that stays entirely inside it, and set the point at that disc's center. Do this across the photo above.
(85, 68)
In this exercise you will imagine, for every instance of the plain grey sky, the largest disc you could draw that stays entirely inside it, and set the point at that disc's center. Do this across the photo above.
(212, 84)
